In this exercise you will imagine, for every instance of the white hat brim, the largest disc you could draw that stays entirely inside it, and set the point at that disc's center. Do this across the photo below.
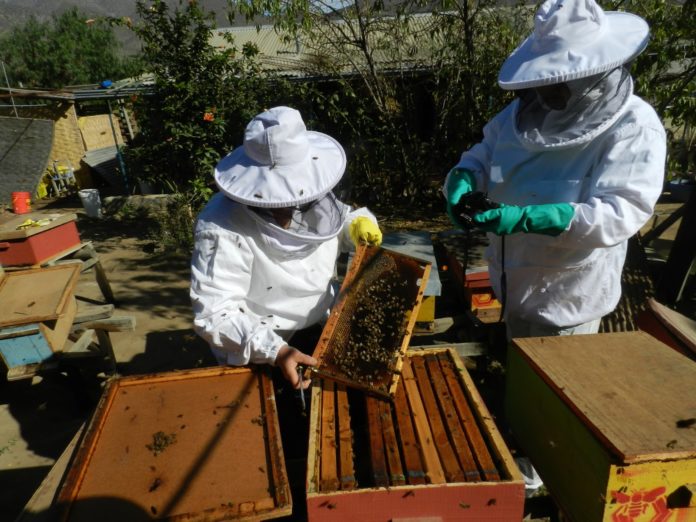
(625, 38)
(244, 180)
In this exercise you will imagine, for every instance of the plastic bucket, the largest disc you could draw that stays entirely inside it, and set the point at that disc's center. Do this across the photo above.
(91, 202)
(21, 202)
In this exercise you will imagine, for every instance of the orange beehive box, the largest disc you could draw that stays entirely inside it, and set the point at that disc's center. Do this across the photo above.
(433, 453)
(479, 293)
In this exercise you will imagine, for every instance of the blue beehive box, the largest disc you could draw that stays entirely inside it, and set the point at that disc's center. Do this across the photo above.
(23, 348)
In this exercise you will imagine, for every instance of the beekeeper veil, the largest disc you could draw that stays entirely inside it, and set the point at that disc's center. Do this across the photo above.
(577, 44)
(285, 174)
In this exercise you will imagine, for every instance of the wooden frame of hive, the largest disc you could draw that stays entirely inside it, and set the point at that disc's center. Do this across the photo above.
(363, 274)
(433, 452)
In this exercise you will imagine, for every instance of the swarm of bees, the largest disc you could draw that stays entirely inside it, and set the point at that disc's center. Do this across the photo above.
(376, 325)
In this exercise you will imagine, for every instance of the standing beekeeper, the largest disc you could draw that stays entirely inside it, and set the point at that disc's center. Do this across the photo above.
(266, 246)
(577, 160)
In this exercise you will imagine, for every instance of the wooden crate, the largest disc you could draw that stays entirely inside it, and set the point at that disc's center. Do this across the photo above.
(609, 422)
(433, 451)
(376, 310)
(189, 445)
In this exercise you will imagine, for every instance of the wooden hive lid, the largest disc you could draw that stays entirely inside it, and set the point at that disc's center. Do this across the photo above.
(34, 296)
(679, 325)
(193, 445)
(637, 395)
(9, 230)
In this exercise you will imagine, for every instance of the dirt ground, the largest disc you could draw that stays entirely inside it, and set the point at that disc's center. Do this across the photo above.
(39, 416)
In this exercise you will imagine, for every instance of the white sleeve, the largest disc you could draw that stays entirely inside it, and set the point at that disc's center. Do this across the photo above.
(477, 159)
(626, 183)
(220, 279)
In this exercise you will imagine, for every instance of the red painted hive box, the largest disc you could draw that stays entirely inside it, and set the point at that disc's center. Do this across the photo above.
(35, 245)
(431, 453)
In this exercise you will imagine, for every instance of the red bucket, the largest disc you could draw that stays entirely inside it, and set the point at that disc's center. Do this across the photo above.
(21, 202)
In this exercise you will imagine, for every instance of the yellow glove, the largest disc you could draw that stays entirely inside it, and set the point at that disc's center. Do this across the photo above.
(364, 230)
(29, 223)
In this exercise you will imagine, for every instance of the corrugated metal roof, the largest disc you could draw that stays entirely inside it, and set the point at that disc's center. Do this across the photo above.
(119, 89)
(105, 162)
(266, 38)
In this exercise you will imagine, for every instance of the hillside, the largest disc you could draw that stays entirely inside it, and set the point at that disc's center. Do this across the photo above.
(17, 12)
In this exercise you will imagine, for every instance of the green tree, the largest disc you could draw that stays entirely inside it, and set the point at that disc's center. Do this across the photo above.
(470, 41)
(666, 72)
(201, 99)
(411, 91)
(68, 50)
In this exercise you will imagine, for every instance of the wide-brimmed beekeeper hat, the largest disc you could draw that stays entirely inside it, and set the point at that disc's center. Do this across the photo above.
(281, 163)
(573, 39)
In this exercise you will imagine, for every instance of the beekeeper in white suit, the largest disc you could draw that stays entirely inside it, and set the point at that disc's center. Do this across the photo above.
(576, 159)
(266, 246)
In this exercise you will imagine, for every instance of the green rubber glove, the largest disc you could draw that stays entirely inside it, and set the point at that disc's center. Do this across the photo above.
(550, 219)
(460, 182)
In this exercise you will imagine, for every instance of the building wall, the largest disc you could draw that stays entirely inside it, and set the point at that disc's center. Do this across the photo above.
(97, 132)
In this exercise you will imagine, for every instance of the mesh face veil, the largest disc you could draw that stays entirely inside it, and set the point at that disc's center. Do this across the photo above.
(316, 221)
(593, 101)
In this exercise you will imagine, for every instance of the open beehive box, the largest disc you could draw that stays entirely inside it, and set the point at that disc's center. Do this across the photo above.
(189, 445)
(432, 452)
(368, 331)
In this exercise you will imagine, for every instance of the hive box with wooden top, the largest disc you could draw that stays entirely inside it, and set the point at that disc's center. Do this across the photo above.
(37, 313)
(45, 237)
(609, 422)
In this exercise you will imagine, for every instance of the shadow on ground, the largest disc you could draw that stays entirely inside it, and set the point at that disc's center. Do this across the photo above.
(48, 413)
(170, 350)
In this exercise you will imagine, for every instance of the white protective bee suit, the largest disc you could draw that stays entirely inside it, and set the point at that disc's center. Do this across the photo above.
(602, 156)
(254, 283)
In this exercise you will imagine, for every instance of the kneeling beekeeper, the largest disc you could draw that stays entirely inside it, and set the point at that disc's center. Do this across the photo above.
(576, 162)
(266, 246)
